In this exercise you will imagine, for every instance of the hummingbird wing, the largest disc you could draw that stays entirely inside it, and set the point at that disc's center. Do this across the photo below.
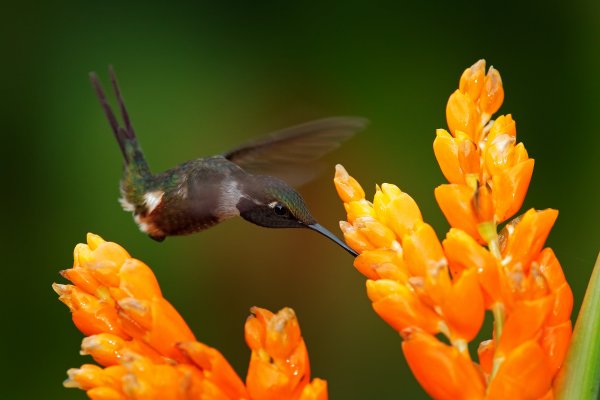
(291, 153)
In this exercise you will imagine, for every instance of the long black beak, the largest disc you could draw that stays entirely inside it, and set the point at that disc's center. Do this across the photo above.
(323, 231)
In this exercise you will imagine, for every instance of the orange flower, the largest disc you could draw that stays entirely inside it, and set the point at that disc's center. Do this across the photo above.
(480, 157)
(148, 351)
(424, 288)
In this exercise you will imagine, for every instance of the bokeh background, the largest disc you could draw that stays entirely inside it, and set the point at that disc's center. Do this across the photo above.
(201, 78)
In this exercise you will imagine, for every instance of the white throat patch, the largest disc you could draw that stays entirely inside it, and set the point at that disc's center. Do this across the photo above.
(152, 200)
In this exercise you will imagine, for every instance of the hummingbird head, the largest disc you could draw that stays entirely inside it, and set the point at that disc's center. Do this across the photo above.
(272, 203)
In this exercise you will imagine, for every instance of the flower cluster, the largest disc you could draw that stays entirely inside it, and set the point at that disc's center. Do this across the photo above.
(146, 350)
(425, 288)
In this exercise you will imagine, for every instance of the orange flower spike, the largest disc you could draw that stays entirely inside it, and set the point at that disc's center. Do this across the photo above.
(445, 148)
(525, 374)
(510, 187)
(462, 115)
(442, 370)
(400, 307)
(463, 309)
(529, 236)
(492, 94)
(456, 204)
(215, 368)
(347, 187)
(471, 81)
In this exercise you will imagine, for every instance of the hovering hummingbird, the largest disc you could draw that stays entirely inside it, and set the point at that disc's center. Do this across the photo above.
(198, 194)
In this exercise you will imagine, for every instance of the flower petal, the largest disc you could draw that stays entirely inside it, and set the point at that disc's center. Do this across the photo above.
(442, 370)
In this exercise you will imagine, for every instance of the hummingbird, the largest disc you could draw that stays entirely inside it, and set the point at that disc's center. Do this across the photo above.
(198, 194)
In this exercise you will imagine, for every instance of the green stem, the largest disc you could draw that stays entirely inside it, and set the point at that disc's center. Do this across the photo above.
(499, 315)
(579, 377)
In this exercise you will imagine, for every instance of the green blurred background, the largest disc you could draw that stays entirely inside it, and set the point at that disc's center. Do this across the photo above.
(200, 79)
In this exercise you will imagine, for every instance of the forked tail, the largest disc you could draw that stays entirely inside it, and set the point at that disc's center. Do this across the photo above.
(134, 158)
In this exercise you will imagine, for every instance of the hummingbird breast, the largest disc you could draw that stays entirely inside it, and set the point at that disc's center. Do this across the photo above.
(191, 197)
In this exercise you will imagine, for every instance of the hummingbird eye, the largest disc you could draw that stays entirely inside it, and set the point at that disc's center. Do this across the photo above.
(279, 209)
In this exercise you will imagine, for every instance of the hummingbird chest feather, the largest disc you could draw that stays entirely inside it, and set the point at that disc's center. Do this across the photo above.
(189, 198)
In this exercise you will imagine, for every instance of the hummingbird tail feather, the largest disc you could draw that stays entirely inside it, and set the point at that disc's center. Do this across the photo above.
(125, 136)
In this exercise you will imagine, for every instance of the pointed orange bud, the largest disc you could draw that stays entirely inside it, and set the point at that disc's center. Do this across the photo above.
(499, 154)
(463, 308)
(90, 315)
(503, 125)
(105, 393)
(215, 367)
(316, 390)
(524, 374)
(485, 352)
(354, 238)
(463, 252)
(555, 343)
(462, 115)
(381, 263)
(468, 157)
(82, 278)
(471, 81)
(510, 187)
(445, 148)
(442, 370)
(403, 214)
(551, 269)
(523, 324)
(492, 94)
(456, 204)
(483, 206)
(137, 280)
(400, 307)
(279, 363)
(423, 252)
(529, 236)
(359, 209)
(378, 234)
(347, 187)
